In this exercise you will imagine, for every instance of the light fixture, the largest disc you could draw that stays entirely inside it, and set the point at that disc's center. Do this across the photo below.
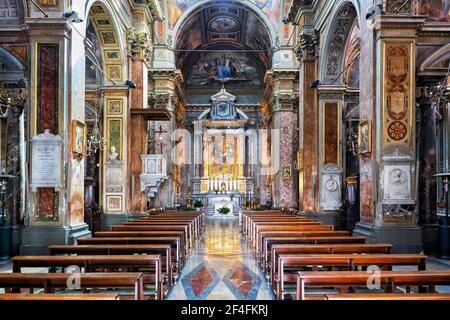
(95, 141)
(75, 17)
(315, 84)
(351, 141)
(130, 84)
(373, 10)
(5, 105)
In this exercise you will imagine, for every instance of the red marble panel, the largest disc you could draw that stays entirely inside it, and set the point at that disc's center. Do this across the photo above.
(200, 281)
(242, 280)
(331, 130)
(47, 112)
(47, 88)
(310, 179)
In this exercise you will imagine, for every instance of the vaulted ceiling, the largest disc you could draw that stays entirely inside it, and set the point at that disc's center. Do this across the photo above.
(221, 27)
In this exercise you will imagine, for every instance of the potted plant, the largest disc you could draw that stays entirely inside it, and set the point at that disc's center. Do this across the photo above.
(224, 210)
(198, 204)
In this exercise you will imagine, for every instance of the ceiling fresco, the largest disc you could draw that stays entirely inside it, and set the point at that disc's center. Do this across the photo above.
(224, 43)
(270, 8)
(233, 25)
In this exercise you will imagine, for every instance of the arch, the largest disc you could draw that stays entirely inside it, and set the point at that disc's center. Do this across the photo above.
(440, 55)
(111, 37)
(200, 5)
(336, 39)
(10, 62)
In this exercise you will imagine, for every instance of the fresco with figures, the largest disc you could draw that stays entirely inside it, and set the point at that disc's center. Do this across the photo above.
(212, 68)
(270, 8)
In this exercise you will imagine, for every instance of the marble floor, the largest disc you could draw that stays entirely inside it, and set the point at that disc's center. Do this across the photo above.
(221, 267)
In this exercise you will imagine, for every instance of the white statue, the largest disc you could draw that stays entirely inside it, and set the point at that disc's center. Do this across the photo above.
(113, 154)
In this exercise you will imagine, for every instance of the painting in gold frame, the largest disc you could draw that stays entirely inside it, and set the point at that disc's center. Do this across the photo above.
(364, 138)
(286, 172)
(79, 134)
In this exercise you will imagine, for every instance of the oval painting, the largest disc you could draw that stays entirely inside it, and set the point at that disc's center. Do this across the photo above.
(223, 24)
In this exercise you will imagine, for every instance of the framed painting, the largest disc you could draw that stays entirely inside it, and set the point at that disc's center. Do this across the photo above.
(364, 138)
(79, 133)
(286, 172)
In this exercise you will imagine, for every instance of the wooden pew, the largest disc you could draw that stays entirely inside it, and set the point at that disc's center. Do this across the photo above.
(289, 265)
(390, 296)
(255, 226)
(250, 223)
(59, 297)
(199, 218)
(148, 234)
(258, 246)
(277, 249)
(51, 281)
(164, 250)
(158, 222)
(191, 229)
(388, 280)
(246, 219)
(175, 242)
(270, 241)
(188, 240)
(149, 265)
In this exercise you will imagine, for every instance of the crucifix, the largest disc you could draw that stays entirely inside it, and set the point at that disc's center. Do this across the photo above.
(161, 143)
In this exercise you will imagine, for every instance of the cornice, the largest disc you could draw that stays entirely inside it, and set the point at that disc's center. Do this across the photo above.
(387, 21)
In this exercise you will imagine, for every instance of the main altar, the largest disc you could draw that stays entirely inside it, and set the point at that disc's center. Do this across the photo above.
(222, 180)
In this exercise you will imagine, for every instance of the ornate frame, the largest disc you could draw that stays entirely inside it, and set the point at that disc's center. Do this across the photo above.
(368, 149)
(76, 149)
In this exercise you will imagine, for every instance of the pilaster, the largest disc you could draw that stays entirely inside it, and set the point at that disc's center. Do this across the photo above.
(388, 177)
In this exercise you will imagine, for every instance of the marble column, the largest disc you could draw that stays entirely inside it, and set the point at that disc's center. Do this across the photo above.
(427, 192)
(13, 163)
(308, 113)
(138, 126)
(57, 94)
(388, 175)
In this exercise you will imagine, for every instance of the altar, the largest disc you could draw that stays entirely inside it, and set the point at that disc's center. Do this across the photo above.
(214, 202)
(222, 147)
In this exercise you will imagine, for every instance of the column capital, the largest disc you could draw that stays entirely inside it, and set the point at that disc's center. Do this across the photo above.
(308, 43)
(13, 97)
(139, 45)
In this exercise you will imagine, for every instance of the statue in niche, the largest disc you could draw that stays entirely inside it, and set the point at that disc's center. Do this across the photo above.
(113, 156)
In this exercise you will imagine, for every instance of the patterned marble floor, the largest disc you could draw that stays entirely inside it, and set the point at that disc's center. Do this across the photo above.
(221, 268)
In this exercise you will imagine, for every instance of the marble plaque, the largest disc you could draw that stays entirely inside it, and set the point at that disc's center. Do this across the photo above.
(331, 187)
(46, 161)
(114, 176)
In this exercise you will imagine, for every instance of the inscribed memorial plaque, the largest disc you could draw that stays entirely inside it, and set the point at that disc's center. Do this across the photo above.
(46, 162)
